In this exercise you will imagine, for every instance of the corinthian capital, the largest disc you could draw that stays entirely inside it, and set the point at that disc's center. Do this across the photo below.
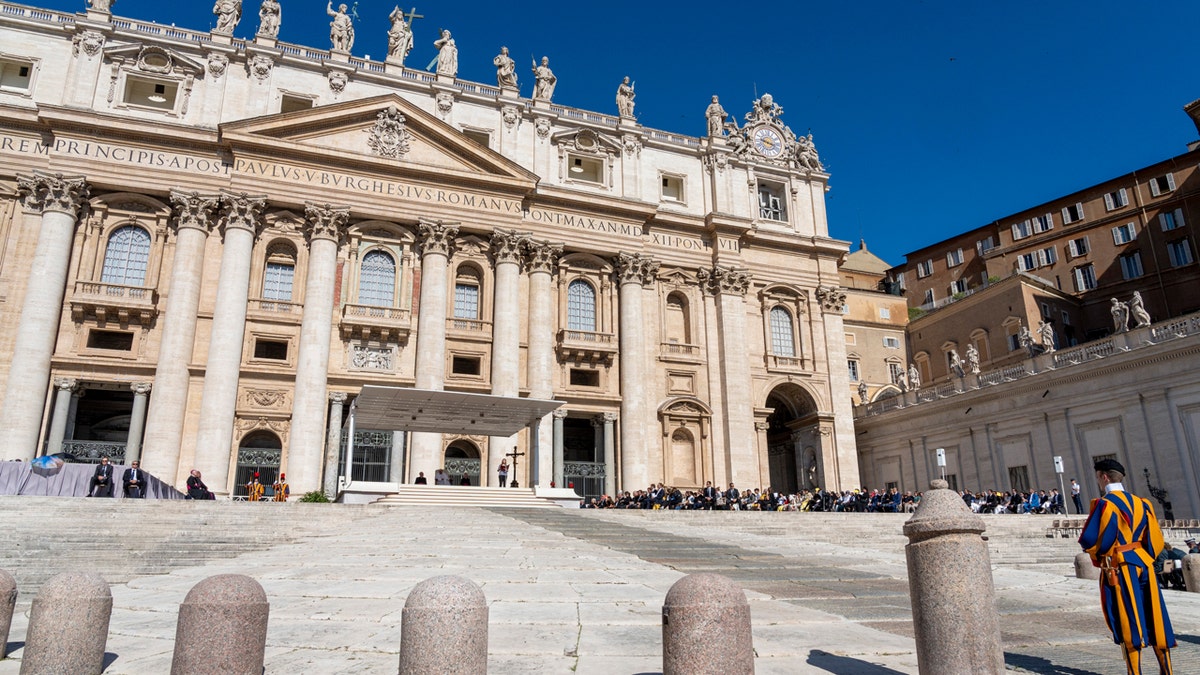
(831, 298)
(506, 246)
(242, 211)
(326, 221)
(437, 237)
(43, 192)
(543, 256)
(338, 397)
(635, 268)
(194, 210)
(723, 280)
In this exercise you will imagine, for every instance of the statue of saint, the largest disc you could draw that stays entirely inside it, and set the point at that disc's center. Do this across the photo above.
(1137, 308)
(1120, 316)
(1046, 335)
(102, 5)
(506, 69)
(914, 377)
(625, 96)
(341, 29)
(715, 115)
(228, 13)
(543, 89)
(400, 37)
(806, 154)
(956, 364)
(1025, 339)
(973, 359)
(269, 15)
(862, 393)
(447, 58)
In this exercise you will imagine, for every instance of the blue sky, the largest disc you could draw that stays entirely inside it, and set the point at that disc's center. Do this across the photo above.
(932, 117)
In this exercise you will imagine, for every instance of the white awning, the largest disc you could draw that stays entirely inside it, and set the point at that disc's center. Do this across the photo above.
(405, 409)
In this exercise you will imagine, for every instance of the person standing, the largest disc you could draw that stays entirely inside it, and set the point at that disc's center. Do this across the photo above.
(1123, 539)
(102, 480)
(282, 490)
(1075, 497)
(502, 472)
(254, 489)
(134, 480)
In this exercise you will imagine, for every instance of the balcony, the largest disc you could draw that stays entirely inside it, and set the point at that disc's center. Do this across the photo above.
(283, 311)
(113, 302)
(785, 363)
(677, 351)
(582, 346)
(369, 322)
(471, 330)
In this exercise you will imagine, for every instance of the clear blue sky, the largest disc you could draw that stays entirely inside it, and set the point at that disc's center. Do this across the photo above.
(932, 117)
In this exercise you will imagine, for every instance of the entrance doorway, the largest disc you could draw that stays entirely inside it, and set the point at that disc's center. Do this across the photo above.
(794, 411)
(583, 456)
(462, 458)
(259, 452)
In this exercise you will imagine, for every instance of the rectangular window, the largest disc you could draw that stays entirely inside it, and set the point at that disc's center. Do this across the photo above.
(853, 366)
(1116, 199)
(290, 103)
(1027, 261)
(1046, 313)
(1085, 278)
(1123, 234)
(277, 281)
(891, 342)
(1047, 256)
(275, 350)
(1066, 319)
(118, 341)
(851, 339)
(15, 75)
(984, 245)
(585, 169)
(1171, 220)
(895, 372)
(924, 269)
(1077, 247)
(958, 286)
(885, 313)
(1042, 223)
(466, 301)
(1018, 478)
(771, 205)
(150, 93)
(672, 188)
(1180, 252)
(581, 377)
(1014, 342)
(1072, 213)
(1131, 265)
(954, 258)
(1021, 230)
(464, 365)
(1162, 184)
(928, 297)
(479, 136)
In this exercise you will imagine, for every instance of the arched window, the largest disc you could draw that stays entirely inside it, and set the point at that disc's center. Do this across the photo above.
(678, 328)
(466, 293)
(783, 342)
(377, 279)
(126, 256)
(581, 306)
(280, 272)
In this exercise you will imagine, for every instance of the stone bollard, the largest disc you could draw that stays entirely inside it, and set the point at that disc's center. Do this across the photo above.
(68, 626)
(950, 586)
(706, 627)
(1191, 572)
(1084, 569)
(222, 627)
(8, 602)
(444, 628)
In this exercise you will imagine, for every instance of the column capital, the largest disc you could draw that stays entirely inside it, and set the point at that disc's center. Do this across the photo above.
(542, 256)
(507, 246)
(831, 298)
(140, 388)
(41, 191)
(559, 413)
(325, 221)
(338, 397)
(242, 211)
(66, 383)
(635, 268)
(720, 280)
(607, 418)
(437, 236)
(194, 210)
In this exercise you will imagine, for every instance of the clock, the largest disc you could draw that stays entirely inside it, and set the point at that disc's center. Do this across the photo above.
(768, 142)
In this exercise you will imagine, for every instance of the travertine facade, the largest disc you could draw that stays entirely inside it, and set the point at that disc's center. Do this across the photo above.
(210, 244)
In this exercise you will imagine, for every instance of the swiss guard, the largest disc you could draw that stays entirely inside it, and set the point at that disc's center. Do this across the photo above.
(254, 489)
(281, 489)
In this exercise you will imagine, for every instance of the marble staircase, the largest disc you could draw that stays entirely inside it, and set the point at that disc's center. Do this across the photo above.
(464, 495)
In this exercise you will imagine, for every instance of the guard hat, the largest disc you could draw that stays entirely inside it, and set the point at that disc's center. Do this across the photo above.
(1109, 465)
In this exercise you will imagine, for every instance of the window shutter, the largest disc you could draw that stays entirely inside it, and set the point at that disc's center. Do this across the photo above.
(1170, 181)
(1154, 191)
(1124, 197)
(1066, 214)
(1051, 255)
(949, 260)
(1071, 250)
(1178, 217)
(1116, 231)
(1016, 232)
(1163, 222)
(1078, 274)
(1108, 202)
(1049, 221)
(1041, 258)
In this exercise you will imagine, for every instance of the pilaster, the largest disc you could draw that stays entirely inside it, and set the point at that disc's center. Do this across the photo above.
(437, 243)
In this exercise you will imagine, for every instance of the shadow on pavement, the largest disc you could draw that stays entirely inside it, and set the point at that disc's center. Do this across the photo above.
(1037, 664)
(844, 665)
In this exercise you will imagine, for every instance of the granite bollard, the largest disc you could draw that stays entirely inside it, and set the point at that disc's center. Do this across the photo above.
(1191, 572)
(222, 627)
(8, 602)
(706, 627)
(950, 585)
(1084, 569)
(68, 626)
(444, 628)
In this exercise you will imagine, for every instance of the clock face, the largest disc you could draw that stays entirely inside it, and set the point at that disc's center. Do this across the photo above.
(768, 142)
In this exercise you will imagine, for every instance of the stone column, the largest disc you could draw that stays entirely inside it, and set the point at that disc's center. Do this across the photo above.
(542, 261)
(839, 458)
(559, 476)
(240, 215)
(137, 425)
(64, 389)
(437, 242)
(325, 228)
(742, 455)
(164, 426)
(59, 199)
(506, 340)
(610, 458)
(333, 442)
(631, 272)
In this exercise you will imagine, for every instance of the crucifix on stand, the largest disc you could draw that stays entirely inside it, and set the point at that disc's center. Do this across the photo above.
(514, 454)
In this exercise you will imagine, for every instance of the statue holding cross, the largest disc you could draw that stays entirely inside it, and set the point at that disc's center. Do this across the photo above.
(514, 454)
(400, 36)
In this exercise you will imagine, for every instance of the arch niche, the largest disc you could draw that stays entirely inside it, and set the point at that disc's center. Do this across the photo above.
(793, 439)
(259, 452)
(462, 457)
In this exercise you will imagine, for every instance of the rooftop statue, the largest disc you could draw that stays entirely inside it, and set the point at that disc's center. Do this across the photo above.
(506, 69)
(543, 90)
(341, 29)
(102, 5)
(1046, 335)
(806, 154)
(1120, 316)
(972, 359)
(400, 37)
(914, 377)
(1137, 309)
(447, 58)
(764, 110)
(228, 13)
(715, 115)
(625, 96)
(269, 17)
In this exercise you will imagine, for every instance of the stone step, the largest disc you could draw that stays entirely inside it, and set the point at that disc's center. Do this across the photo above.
(454, 495)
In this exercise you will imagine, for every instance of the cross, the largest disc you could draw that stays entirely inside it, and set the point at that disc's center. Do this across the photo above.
(412, 15)
(514, 454)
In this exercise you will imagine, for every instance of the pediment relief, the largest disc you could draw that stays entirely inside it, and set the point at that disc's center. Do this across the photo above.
(386, 130)
(677, 277)
(587, 141)
(154, 59)
(471, 246)
(284, 221)
(685, 406)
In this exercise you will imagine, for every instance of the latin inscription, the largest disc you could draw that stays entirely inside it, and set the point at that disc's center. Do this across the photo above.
(115, 153)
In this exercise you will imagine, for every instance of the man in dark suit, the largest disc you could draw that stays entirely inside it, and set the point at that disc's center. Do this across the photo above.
(102, 485)
(134, 480)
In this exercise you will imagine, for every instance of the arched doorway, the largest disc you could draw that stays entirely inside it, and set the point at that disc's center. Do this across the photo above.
(259, 451)
(793, 412)
(462, 458)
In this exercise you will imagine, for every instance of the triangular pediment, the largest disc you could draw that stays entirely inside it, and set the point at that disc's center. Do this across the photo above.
(387, 133)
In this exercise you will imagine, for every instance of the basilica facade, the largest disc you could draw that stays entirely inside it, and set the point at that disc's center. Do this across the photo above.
(209, 245)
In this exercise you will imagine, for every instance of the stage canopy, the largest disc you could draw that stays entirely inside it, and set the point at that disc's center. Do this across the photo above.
(405, 409)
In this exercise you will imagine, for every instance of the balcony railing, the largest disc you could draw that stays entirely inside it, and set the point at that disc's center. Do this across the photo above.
(276, 306)
(468, 325)
(585, 346)
(90, 452)
(777, 362)
(679, 349)
(375, 322)
(136, 304)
